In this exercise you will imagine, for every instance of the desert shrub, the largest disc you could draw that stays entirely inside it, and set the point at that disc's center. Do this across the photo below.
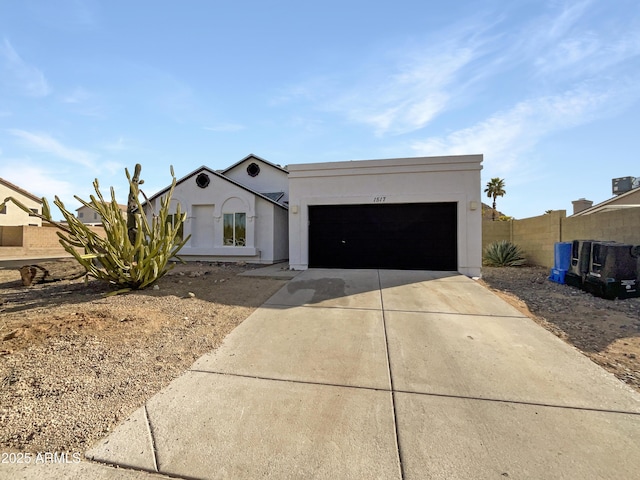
(134, 253)
(503, 254)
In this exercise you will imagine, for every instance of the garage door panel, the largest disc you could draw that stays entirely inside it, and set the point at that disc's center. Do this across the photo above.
(401, 236)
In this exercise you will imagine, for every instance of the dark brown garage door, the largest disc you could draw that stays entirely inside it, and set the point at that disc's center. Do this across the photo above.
(415, 236)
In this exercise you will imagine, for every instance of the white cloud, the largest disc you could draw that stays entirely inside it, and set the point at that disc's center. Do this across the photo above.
(403, 88)
(113, 167)
(37, 180)
(574, 40)
(46, 143)
(20, 75)
(118, 145)
(507, 135)
(83, 102)
(418, 89)
(563, 23)
(77, 95)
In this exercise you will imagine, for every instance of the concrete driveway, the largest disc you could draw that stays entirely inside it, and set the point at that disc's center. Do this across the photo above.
(363, 374)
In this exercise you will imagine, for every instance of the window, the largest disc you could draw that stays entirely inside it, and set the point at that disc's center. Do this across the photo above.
(3, 210)
(203, 180)
(80, 214)
(253, 170)
(33, 211)
(172, 220)
(235, 229)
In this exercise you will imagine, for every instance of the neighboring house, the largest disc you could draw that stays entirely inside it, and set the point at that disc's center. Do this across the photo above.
(238, 214)
(11, 214)
(630, 199)
(91, 217)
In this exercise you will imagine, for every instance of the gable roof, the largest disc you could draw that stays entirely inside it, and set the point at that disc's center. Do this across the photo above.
(21, 191)
(251, 155)
(219, 175)
(122, 206)
(610, 205)
(274, 195)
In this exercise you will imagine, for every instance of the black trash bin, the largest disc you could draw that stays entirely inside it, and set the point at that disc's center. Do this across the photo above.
(613, 270)
(579, 264)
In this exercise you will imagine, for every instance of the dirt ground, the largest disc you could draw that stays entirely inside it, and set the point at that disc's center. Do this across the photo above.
(74, 363)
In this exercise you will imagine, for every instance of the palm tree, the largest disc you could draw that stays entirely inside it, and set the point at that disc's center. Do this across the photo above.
(495, 189)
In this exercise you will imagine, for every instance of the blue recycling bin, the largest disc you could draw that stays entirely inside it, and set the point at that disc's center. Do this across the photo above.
(562, 255)
(561, 261)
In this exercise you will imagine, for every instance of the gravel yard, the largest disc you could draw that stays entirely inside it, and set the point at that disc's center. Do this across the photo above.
(74, 363)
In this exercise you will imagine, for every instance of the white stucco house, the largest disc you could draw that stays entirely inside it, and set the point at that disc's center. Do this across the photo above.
(238, 214)
(11, 214)
(403, 213)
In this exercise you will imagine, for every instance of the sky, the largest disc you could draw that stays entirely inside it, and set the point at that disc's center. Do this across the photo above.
(547, 90)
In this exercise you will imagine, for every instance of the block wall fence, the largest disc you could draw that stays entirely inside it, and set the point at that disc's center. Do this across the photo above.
(537, 235)
(31, 242)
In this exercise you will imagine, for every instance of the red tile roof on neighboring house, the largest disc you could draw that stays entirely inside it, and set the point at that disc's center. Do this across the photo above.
(20, 190)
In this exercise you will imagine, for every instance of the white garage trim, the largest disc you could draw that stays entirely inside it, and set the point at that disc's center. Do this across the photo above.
(453, 179)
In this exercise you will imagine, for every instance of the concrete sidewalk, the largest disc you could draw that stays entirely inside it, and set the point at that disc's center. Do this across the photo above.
(363, 374)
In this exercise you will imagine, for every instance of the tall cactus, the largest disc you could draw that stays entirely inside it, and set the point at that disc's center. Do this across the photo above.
(134, 253)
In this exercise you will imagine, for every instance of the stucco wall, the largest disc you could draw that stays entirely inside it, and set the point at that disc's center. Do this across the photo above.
(14, 215)
(410, 180)
(280, 234)
(264, 229)
(270, 179)
(87, 215)
(205, 208)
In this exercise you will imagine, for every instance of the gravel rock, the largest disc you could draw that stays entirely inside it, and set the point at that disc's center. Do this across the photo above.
(74, 363)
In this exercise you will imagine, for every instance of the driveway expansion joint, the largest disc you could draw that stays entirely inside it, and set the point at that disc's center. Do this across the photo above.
(518, 402)
(332, 307)
(288, 380)
(154, 450)
(462, 314)
(390, 376)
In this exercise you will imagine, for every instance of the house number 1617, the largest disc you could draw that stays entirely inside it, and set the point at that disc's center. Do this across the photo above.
(379, 199)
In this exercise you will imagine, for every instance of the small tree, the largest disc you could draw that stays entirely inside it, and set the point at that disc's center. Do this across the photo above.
(495, 189)
(134, 253)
